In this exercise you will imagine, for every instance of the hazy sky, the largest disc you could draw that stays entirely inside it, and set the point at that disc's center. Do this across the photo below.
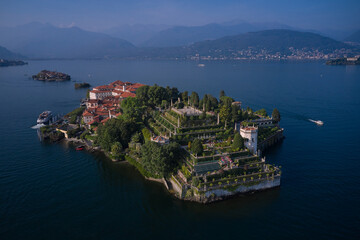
(101, 14)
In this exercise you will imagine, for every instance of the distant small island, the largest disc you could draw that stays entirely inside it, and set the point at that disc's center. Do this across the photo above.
(344, 61)
(7, 63)
(82, 85)
(46, 75)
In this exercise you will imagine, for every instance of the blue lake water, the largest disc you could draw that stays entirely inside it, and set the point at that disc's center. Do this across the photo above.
(50, 191)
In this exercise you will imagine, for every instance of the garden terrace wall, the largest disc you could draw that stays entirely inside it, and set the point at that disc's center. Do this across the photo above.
(262, 185)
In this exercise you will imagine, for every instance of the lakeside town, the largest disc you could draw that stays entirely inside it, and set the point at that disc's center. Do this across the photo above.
(202, 150)
(270, 55)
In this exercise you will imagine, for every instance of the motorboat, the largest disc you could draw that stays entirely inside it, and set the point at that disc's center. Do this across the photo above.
(318, 122)
(44, 117)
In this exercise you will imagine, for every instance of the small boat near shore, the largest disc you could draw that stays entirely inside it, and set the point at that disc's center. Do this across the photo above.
(79, 148)
(318, 122)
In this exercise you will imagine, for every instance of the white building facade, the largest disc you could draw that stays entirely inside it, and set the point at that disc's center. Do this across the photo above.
(250, 135)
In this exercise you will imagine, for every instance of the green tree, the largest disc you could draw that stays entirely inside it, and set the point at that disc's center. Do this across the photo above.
(115, 130)
(238, 142)
(164, 104)
(132, 109)
(116, 150)
(160, 160)
(137, 138)
(262, 112)
(212, 103)
(226, 101)
(194, 98)
(222, 94)
(142, 94)
(276, 115)
(195, 181)
(235, 113)
(146, 134)
(156, 94)
(197, 147)
(225, 114)
(173, 93)
(184, 96)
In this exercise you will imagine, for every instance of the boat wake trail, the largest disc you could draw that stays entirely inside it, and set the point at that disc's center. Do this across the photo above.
(37, 126)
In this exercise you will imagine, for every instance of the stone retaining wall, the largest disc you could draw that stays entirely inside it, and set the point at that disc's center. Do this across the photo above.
(243, 189)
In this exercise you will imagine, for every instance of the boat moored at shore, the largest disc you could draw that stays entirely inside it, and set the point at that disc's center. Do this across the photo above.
(44, 117)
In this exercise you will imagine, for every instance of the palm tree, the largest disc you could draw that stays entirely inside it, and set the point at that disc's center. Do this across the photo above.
(236, 180)
(267, 176)
(228, 182)
(259, 176)
(252, 178)
(220, 183)
(244, 179)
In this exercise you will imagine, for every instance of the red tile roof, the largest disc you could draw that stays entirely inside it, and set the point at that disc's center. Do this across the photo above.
(128, 94)
(87, 114)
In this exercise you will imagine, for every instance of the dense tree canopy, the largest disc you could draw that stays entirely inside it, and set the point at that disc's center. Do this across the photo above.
(158, 159)
(142, 94)
(132, 109)
(155, 95)
(211, 103)
(236, 114)
(115, 130)
(226, 101)
(173, 93)
(261, 112)
(196, 146)
(116, 150)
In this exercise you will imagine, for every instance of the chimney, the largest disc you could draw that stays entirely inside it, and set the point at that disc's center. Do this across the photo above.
(123, 88)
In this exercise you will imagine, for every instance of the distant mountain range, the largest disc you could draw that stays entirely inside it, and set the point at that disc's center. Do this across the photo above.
(44, 41)
(6, 54)
(355, 37)
(272, 41)
(36, 40)
(264, 45)
(182, 35)
(137, 34)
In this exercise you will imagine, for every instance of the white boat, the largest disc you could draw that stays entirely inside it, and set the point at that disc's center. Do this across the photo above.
(201, 65)
(44, 117)
(318, 122)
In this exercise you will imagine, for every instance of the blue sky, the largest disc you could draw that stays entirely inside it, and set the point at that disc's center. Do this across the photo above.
(101, 14)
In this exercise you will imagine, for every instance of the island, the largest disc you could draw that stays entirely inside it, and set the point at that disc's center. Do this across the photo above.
(46, 75)
(82, 85)
(345, 61)
(7, 63)
(202, 149)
